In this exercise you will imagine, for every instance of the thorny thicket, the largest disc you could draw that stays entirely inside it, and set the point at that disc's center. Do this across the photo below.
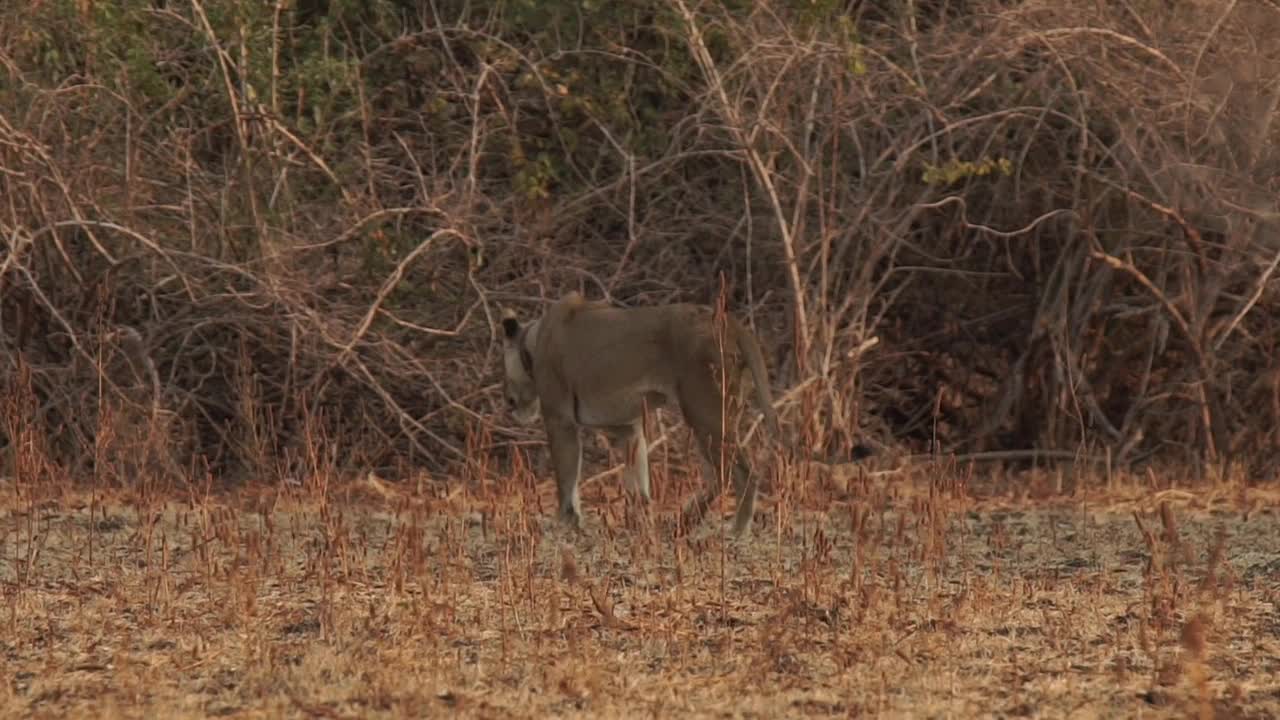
(1059, 220)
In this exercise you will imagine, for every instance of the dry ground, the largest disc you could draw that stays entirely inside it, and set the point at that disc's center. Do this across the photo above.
(901, 596)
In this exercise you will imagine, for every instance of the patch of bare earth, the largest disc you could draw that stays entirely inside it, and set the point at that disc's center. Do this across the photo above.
(897, 598)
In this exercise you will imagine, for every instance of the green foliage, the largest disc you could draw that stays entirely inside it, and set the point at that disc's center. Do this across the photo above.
(533, 178)
(617, 65)
(570, 71)
(40, 43)
(853, 46)
(327, 84)
(953, 171)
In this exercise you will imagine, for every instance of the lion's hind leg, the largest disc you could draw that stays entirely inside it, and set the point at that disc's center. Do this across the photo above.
(635, 457)
(705, 416)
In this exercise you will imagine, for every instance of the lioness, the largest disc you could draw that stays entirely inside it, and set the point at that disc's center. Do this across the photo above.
(589, 364)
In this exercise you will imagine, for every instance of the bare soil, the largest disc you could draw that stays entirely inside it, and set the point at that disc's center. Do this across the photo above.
(899, 597)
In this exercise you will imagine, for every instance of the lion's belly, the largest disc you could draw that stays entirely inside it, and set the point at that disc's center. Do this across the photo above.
(617, 408)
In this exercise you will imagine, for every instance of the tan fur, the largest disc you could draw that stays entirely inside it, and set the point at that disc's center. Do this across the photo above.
(598, 366)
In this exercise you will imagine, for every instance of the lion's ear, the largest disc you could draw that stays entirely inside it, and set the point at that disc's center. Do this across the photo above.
(510, 323)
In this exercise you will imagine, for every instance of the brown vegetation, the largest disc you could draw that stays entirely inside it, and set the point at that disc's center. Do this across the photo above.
(896, 597)
(1059, 219)
(253, 252)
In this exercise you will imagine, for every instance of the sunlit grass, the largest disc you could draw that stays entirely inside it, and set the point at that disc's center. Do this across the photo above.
(894, 595)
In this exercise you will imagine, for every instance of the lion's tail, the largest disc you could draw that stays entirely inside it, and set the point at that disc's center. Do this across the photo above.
(750, 349)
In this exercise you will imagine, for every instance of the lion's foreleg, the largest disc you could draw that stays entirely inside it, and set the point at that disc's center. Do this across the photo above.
(636, 474)
(566, 456)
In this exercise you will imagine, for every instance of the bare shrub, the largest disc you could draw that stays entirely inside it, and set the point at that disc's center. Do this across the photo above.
(1058, 220)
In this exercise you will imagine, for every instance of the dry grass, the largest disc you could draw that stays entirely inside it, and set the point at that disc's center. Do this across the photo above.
(899, 598)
